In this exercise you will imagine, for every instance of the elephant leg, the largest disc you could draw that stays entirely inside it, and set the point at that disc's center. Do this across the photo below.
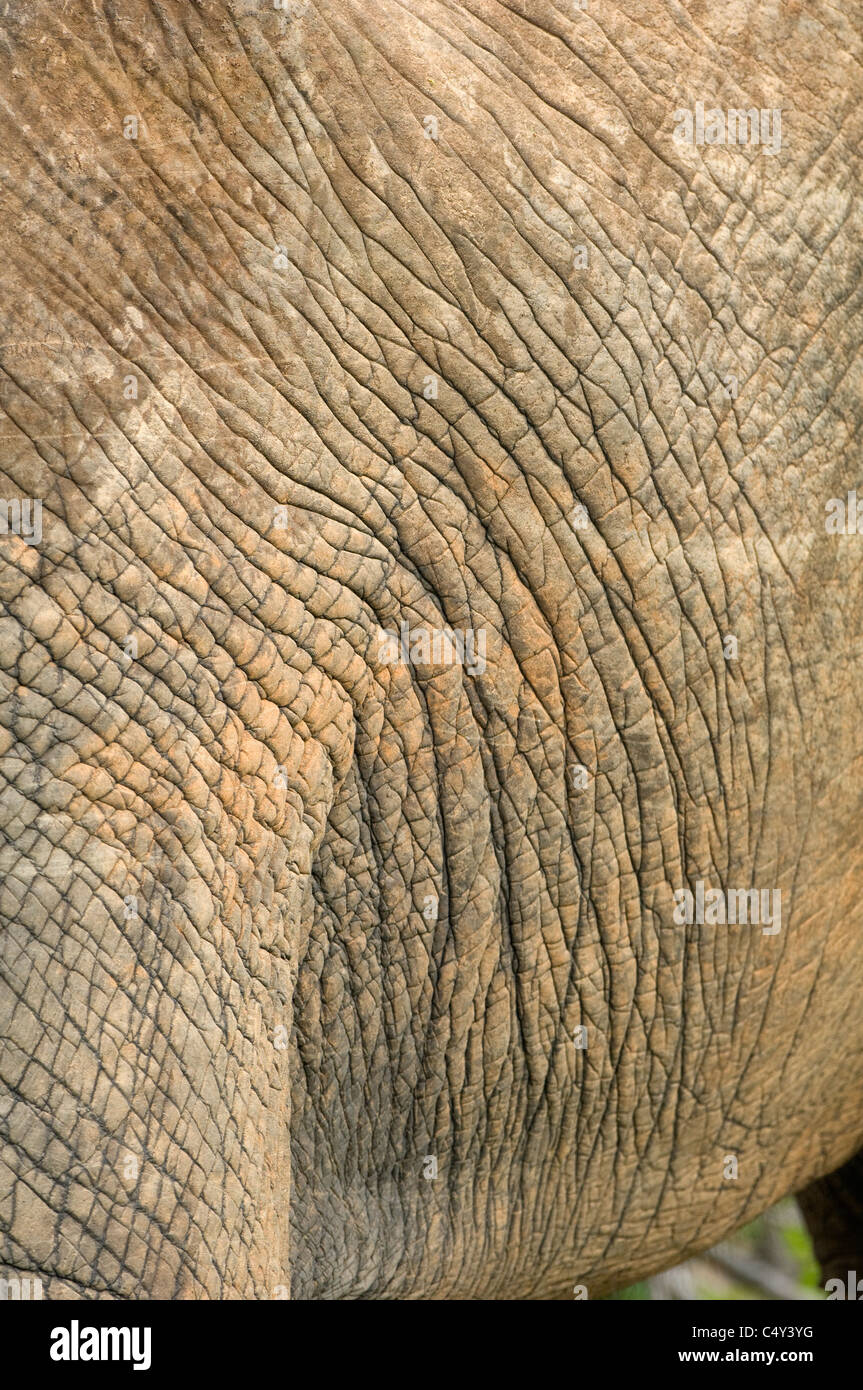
(833, 1210)
(151, 865)
(144, 980)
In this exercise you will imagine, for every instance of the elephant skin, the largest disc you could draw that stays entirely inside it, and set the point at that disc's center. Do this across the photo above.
(336, 963)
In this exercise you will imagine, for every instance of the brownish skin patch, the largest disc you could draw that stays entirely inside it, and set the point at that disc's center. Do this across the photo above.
(278, 1035)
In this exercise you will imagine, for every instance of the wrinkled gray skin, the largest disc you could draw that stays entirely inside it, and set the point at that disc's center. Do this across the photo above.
(235, 1028)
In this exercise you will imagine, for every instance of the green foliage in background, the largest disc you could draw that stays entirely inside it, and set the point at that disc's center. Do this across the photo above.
(772, 1253)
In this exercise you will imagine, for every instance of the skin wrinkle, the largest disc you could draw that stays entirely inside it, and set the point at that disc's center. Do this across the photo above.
(450, 1037)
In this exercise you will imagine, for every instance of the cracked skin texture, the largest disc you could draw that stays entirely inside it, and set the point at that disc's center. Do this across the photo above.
(279, 801)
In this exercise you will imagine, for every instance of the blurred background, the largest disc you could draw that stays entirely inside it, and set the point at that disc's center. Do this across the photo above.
(769, 1259)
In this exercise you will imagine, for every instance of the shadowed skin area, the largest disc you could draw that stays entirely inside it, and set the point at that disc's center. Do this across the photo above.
(282, 918)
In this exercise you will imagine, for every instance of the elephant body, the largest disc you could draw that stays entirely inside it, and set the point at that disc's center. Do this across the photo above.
(433, 589)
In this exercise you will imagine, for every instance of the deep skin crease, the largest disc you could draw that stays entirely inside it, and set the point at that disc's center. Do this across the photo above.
(234, 1028)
